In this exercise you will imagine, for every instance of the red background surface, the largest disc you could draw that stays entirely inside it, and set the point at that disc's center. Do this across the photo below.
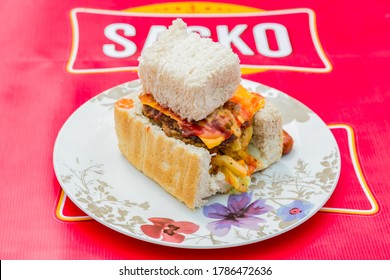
(38, 95)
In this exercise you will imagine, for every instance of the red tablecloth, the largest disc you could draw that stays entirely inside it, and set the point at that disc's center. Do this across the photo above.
(344, 79)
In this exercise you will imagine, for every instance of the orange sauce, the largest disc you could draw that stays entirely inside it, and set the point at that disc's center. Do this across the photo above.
(125, 103)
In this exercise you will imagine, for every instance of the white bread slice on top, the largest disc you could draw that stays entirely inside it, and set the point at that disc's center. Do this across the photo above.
(188, 74)
(182, 169)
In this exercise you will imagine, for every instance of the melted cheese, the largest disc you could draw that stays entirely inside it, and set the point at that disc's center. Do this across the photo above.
(251, 102)
(212, 142)
(148, 99)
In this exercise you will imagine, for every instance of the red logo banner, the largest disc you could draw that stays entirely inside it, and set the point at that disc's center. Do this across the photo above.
(108, 41)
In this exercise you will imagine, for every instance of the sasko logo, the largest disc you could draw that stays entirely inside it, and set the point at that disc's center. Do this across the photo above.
(109, 41)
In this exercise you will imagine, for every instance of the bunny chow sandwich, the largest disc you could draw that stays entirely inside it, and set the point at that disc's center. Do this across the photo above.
(194, 129)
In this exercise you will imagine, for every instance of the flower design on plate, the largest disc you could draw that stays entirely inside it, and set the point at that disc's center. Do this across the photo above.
(295, 210)
(168, 229)
(239, 212)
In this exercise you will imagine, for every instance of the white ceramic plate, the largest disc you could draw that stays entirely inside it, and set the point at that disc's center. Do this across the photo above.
(99, 180)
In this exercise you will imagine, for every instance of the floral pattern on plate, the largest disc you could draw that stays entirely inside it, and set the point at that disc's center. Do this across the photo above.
(240, 212)
(169, 230)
